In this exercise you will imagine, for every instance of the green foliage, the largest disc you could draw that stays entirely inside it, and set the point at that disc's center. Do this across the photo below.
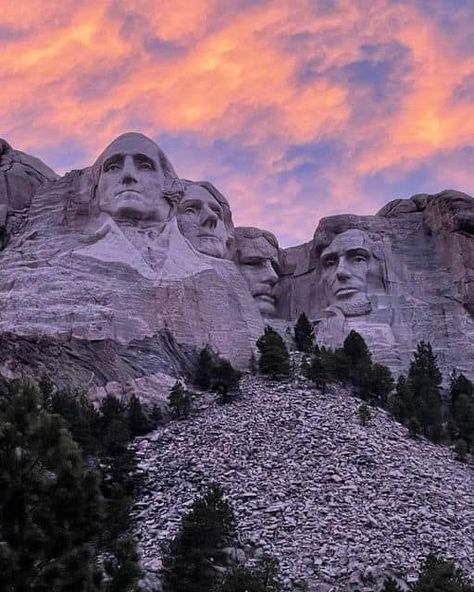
(391, 585)
(304, 334)
(424, 380)
(381, 383)
(138, 423)
(441, 575)
(364, 414)
(189, 559)
(179, 401)
(319, 370)
(202, 378)
(123, 569)
(462, 408)
(461, 449)
(356, 349)
(262, 578)
(50, 505)
(274, 358)
(414, 427)
(225, 379)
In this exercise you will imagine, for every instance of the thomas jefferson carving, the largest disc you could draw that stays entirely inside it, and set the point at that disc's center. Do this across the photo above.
(257, 255)
(205, 219)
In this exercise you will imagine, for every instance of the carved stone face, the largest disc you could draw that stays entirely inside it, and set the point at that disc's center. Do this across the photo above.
(258, 263)
(347, 264)
(201, 221)
(131, 180)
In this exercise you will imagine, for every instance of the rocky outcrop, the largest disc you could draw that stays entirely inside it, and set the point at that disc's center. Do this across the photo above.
(402, 275)
(338, 504)
(126, 251)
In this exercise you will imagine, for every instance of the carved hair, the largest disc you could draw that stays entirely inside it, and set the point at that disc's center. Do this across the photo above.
(251, 233)
(330, 228)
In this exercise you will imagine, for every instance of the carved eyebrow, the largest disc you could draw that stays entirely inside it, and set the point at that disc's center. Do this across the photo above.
(358, 251)
(190, 202)
(144, 158)
(114, 159)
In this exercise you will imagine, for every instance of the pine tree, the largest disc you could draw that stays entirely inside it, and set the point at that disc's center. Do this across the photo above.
(50, 505)
(381, 383)
(274, 358)
(137, 421)
(318, 371)
(225, 379)
(179, 401)
(123, 569)
(364, 414)
(424, 380)
(441, 575)
(462, 408)
(356, 348)
(461, 449)
(262, 578)
(414, 428)
(304, 334)
(390, 585)
(202, 377)
(189, 559)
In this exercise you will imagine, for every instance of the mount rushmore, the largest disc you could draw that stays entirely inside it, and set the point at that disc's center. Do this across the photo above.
(121, 272)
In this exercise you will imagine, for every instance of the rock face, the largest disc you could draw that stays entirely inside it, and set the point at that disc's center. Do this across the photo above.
(123, 254)
(402, 275)
(335, 502)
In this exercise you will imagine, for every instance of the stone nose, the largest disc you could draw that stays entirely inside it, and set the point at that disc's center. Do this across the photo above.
(270, 276)
(129, 175)
(208, 217)
(342, 271)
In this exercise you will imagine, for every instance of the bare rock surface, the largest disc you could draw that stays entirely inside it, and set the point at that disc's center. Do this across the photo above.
(327, 497)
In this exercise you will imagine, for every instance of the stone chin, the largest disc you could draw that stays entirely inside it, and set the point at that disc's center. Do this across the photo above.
(209, 245)
(265, 304)
(355, 306)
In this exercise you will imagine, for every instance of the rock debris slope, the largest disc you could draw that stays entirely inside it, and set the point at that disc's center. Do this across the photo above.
(309, 484)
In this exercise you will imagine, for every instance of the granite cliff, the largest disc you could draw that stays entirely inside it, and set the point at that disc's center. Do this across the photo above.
(125, 270)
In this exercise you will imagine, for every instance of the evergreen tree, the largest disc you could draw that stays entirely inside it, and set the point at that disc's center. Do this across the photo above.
(401, 402)
(274, 358)
(414, 428)
(390, 585)
(262, 578)
(424, 380)
(381, 383)
(202, 377)
(50, 505)
(123, 569)
(460, 448)
(137, 421)
(459, 385)
(440, 575)
(318, 371)
(225, 379)
(179, 401)
(364, 414)
(462, 408)
(356, 349)
(304, 334)
(189, 559)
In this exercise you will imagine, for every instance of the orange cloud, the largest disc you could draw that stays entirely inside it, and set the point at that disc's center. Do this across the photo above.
(264, 77)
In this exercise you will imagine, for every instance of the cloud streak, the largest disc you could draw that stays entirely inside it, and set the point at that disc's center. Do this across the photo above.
(295, 109)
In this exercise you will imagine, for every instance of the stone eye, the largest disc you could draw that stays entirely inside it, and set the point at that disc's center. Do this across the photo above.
(111, 168)
(146, 166)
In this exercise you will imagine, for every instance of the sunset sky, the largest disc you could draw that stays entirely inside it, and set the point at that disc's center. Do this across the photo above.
(294, 109)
